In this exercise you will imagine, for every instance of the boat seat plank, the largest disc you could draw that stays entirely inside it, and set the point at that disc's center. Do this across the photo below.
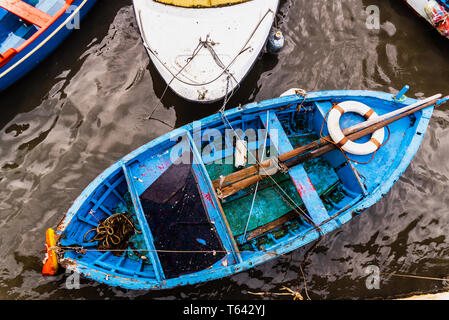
(50, 6)
(211, 202)
(149, 241)
(145, 171)
(299, 176)
(27, 12)
(269, 226)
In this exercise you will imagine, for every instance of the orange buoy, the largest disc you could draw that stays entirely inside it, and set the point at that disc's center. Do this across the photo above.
(51, 265)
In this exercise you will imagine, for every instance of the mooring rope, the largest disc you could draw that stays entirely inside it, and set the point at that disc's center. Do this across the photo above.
(242, 50)
(415, 276)
(296, 295)
(112, 232)
(61, 249)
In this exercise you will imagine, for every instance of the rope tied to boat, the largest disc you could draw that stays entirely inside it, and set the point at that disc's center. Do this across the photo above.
(204, 44)
(300, 93)
(296, 295)
(113, 232)
(83, 250)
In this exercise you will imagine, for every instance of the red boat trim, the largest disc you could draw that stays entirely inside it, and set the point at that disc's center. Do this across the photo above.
(8, 55)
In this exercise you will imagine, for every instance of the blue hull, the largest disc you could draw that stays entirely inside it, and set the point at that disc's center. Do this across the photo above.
(141, 169)
(33, 54)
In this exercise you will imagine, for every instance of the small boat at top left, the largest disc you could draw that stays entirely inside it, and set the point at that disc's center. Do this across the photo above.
(31, 29)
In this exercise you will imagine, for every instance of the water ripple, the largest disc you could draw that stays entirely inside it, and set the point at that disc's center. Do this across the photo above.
(89, 103)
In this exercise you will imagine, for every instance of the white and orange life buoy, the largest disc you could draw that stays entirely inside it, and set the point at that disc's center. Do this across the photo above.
(333, 126)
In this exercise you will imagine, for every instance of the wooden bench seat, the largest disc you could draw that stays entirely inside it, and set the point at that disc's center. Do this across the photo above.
(306, 190)
(27, 12)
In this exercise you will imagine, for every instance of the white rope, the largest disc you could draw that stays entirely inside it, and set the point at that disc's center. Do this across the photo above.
(257, 185)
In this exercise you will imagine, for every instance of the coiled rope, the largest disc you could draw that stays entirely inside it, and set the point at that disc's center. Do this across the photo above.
(113, 232)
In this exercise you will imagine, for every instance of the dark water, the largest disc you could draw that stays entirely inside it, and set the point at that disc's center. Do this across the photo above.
(85, 107)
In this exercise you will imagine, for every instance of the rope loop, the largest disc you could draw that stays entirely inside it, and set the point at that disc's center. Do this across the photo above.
(113, 232)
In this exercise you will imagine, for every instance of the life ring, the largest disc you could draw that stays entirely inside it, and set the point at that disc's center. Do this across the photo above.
(333, 126)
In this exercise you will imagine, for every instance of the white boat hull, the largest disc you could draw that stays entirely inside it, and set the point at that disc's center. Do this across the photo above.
(418, 6)
(236, 35)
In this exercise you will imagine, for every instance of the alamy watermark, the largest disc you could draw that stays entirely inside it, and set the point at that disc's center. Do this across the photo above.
(373, 279)
(75, 22)
(373, 20)
(220, 146)
(73, 280)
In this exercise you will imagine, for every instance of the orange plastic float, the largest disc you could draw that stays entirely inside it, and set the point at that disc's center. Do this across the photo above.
(51, 264)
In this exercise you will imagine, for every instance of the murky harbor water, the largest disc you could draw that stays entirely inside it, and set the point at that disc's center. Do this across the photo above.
(86, 106)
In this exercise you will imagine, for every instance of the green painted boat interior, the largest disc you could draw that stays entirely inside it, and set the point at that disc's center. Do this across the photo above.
(277, 196)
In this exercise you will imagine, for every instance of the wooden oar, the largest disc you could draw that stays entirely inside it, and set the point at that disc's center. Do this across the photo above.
(244, 183)
(247, 172)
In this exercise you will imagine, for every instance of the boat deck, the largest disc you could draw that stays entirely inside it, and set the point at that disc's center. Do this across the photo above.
(238, 206)
(110, 197)
(278, 195)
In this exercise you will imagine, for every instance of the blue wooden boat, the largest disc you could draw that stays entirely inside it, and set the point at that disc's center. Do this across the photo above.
(31, 29)
(186, 232)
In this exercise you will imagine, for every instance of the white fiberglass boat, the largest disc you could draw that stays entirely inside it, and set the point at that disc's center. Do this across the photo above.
(204, 48)
(418, 7)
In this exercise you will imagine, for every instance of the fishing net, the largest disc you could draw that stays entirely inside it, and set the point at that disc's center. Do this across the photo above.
(179, 223)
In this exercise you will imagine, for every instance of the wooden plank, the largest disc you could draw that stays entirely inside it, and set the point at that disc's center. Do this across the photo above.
(27, 12)
(149, 240)
(271, 225)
